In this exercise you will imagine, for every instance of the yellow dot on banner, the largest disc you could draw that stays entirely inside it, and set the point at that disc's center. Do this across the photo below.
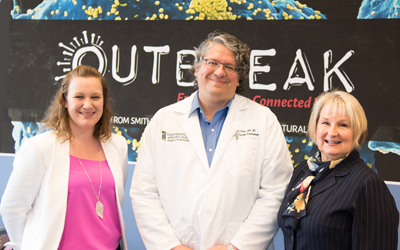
(161, 16)
(57, 11)
(180, 8)
(126, 18)
(310, 143)
(65, 13)
(119, 132)
(29, 11)
(55, 1)
(28, 130)
(373, 13)
(90, 18)
(108, 13)
(306, 157)
(52, 12)
(157, 3)
(296, 150)
(292, 161)
(116, 129)
(83, 7)
(116, 13)
(161, 10)
(128, 141)
(304, 141)
(166, 17)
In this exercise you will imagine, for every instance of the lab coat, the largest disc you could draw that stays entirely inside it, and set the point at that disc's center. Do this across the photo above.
(178, 198)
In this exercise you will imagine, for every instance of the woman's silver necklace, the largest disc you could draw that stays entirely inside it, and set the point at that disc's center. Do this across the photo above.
(99, 205)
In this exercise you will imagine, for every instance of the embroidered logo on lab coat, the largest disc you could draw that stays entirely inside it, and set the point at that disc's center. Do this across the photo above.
(172, 137)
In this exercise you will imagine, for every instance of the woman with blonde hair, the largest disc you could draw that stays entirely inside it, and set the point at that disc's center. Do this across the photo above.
(334, 200)
(67, 187)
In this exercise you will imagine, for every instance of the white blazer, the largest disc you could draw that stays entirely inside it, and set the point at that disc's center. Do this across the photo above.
(178, 198)
(34, 203)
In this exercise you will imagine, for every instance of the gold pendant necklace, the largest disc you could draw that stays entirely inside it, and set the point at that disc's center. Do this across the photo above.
(99, 205)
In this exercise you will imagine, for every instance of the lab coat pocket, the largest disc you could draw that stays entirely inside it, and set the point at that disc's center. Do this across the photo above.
(241, 156)
(187, 237)
(231, 229)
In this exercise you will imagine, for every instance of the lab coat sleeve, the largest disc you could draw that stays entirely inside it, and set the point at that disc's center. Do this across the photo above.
(21, 191)
(261, 226)
(152, 222)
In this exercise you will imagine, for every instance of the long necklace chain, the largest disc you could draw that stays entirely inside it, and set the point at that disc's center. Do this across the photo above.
(99, 205)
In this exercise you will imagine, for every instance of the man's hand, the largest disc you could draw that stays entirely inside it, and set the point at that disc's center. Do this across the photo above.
(221, 247)
(181, 247)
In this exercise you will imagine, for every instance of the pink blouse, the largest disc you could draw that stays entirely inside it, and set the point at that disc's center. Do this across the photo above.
(83, 229)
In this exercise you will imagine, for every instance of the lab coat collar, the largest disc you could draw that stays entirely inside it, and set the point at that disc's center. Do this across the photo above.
(191, 126)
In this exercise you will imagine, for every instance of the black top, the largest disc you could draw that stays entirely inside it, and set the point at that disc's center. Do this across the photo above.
(351, 208)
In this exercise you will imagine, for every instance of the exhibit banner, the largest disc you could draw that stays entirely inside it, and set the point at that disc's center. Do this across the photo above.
(145, 50)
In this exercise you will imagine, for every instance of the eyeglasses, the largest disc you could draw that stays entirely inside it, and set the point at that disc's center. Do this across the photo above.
(212, 64)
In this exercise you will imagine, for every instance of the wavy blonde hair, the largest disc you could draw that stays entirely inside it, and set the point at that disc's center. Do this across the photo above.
(57, 118)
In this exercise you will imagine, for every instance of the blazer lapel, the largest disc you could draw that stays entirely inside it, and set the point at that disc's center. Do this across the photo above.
(109, 157)
(330, 180)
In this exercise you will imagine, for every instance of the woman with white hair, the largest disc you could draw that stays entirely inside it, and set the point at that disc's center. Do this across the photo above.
(334, 200)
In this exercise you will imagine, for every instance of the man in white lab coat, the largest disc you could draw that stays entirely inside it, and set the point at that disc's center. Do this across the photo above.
(213, 168)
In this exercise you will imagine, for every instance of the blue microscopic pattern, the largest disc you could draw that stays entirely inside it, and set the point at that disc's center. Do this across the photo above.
(168, 10)
(379, 9)
(385, 147)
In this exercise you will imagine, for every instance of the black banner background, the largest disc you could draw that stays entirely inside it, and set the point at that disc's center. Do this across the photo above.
(373, 68)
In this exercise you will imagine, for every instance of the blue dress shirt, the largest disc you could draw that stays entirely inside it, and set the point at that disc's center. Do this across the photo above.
(210, 130)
